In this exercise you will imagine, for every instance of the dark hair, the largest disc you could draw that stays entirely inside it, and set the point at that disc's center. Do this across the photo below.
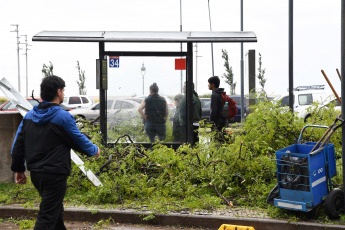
(154, 88)
(49, 87)
(178, 98)
(214, 80)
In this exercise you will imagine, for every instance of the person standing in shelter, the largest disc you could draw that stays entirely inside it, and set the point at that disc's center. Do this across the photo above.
(155, 115)
(42, 146)
(216, 118)
(197, 111)
(176, 118)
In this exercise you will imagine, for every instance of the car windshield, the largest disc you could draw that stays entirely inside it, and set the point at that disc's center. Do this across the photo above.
(285, 100)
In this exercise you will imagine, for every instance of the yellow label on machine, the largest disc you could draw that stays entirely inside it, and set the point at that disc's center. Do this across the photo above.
(235, 227)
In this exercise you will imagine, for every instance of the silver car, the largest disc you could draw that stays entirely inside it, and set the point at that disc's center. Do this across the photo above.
(118, 111)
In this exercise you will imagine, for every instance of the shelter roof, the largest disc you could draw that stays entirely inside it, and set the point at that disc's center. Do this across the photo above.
(144, 36)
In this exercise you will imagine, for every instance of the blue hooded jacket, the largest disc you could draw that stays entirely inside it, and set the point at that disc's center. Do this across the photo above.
(44, 140)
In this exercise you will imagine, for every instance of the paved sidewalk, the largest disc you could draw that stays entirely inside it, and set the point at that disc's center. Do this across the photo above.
(184, 220)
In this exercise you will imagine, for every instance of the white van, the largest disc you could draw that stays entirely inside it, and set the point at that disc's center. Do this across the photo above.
(78, 101)
(305, 96)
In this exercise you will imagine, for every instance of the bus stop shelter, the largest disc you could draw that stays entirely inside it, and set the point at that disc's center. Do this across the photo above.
(188, 38)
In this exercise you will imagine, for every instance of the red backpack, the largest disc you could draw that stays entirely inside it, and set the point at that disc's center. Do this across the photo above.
(231, 109)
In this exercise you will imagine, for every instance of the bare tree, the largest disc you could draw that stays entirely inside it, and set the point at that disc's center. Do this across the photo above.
(261, 75)
(228, 75)
(47, 70)
(81, 82)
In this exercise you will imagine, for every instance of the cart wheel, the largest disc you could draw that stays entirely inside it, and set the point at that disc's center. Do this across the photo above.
(334, 203)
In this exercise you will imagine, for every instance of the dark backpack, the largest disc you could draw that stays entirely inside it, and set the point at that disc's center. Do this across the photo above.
(231, 109)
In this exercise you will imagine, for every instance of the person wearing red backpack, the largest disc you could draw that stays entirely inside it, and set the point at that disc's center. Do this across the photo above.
(216, 117)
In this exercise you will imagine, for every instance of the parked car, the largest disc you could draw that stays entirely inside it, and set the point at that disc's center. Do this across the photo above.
(8, 106)
(118, 111)
(336, 104)
(237, 99)
(206, 107)
(304, 97)
(78, 101)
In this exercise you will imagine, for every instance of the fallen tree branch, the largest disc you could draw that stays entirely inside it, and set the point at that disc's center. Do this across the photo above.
(125, 135)
(221, 196)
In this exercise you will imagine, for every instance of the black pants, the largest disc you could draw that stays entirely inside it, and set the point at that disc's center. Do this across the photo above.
(52, 189)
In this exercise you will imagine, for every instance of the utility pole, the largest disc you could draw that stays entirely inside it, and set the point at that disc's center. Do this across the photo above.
(18, 42)
(196, 67)
(342, 62)
(181, 42)
(209, 16)
(26, 60)
(242, 69)
(291, 100)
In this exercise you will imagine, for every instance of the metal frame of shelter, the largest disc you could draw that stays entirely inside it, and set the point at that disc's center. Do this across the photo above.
(102, 37)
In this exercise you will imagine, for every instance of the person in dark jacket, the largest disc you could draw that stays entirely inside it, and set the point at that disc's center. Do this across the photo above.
(216, 104)
(176, 118)
(156, 113)
(42, 146)
(197, 111)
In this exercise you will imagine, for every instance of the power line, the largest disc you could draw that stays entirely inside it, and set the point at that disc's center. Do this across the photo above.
(181, 42)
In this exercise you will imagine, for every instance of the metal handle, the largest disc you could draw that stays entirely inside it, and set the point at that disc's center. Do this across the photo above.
(305, 127)
(338, 126)
(316, 151)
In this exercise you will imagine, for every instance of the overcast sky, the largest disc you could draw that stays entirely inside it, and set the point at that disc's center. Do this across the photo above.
(316, 41)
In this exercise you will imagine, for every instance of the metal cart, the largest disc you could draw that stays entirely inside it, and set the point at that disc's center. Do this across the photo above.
(304, 177)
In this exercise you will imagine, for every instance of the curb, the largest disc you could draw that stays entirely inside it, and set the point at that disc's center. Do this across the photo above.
(184, 220)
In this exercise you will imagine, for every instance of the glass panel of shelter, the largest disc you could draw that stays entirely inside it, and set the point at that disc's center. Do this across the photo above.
(153, 85)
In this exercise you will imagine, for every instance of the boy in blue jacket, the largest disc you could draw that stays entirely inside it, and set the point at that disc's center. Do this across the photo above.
(42, 146)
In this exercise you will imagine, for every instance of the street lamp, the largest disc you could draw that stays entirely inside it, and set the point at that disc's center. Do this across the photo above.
(143, 72)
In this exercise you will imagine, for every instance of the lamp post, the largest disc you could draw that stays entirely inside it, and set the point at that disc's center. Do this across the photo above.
(143, 72)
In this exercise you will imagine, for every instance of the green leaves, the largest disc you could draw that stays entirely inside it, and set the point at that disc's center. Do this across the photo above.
(208, 176)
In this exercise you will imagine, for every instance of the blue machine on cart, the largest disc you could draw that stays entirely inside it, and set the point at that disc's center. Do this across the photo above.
(304, 177)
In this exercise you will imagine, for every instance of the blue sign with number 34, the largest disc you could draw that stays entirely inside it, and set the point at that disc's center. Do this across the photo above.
(114, 62)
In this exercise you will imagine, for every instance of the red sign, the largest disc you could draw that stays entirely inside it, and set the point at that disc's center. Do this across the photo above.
(180, 64)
